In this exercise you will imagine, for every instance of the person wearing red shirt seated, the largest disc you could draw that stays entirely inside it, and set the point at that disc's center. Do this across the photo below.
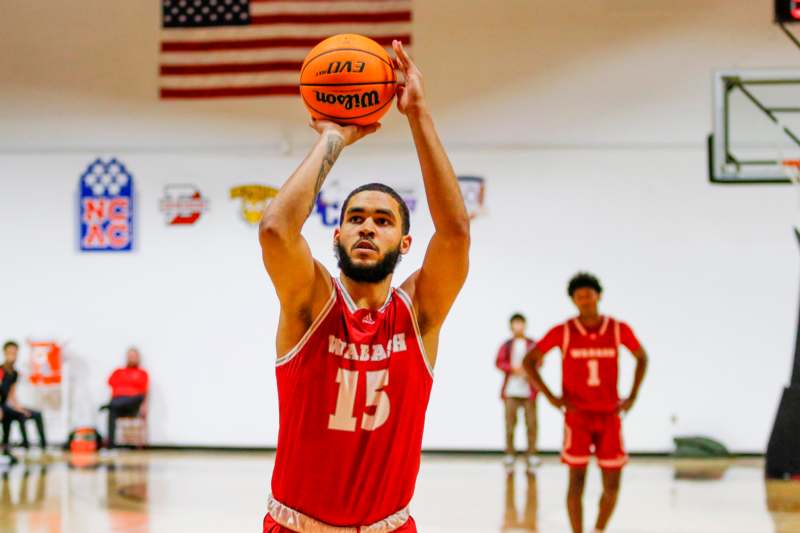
(128, 393)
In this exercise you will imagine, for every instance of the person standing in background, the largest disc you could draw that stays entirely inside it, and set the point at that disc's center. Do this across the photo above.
(590, 346)
(12, 410)
(128, 392)
(518, 391)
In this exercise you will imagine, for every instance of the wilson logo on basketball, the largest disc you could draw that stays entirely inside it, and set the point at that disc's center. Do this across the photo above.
(336, 67)
(349, 101)
(348, 78)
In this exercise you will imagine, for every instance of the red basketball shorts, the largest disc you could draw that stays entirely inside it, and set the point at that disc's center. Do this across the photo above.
(590, 433)
(270, 526)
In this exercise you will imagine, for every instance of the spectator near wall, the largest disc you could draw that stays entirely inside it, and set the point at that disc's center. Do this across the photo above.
(128, 393)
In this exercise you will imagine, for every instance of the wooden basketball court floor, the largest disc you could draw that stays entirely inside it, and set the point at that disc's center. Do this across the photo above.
(225, 492)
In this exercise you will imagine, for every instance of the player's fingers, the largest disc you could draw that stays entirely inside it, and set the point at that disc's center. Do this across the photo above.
(396, 48)
(411, 68)
(401, 52)
(400, 55)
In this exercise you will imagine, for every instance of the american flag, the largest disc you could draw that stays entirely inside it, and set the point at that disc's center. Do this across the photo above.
(233, 48)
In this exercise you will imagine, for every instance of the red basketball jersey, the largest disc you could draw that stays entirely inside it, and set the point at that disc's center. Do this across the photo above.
(352, 395)
(590, 362)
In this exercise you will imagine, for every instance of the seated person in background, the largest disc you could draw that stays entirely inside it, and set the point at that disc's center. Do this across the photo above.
(128, 393)
(12, 410)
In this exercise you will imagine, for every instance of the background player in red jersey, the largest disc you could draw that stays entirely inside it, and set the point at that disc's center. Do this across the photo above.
(590, 348)
(355, 355)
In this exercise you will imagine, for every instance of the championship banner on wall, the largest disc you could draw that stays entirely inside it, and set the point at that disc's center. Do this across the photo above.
(106, 207)
(45, 363)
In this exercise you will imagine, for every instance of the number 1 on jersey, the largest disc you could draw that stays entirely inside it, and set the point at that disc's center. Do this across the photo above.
(343, 419)
(594, 372)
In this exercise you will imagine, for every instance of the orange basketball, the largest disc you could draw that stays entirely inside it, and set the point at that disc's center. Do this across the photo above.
(348, 79)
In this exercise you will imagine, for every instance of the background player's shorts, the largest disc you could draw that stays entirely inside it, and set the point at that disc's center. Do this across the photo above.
(587, 433)
(270, 526)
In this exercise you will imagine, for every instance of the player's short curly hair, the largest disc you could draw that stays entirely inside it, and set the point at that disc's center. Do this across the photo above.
(517, 316)
(380, 187)
(583, 280)
(9, 344)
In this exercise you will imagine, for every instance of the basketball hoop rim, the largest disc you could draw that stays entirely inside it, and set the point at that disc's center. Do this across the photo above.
(791, 167)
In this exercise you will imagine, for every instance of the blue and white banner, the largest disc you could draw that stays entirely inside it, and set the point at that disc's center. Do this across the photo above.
(329, 202)
(106, 207)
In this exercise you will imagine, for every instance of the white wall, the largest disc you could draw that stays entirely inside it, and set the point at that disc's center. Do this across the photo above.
(588, 125)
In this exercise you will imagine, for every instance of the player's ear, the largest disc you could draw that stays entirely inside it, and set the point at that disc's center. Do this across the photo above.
(405, 244)
(337, 232)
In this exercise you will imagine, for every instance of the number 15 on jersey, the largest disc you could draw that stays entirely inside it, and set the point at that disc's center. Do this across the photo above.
(343, 418)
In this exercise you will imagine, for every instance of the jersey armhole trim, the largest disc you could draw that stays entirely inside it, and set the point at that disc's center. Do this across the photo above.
(314, 325)
(565, 340)
(407, 301)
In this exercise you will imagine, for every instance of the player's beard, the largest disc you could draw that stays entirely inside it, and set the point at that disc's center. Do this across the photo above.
(367, 274)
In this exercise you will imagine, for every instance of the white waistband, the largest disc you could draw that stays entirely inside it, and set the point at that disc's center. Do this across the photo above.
(297, 521)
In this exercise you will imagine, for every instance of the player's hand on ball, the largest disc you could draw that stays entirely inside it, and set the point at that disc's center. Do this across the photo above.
(348, 133)
(410, 93)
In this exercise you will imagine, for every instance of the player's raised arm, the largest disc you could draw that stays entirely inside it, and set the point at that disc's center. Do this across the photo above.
(435, 286)
(286, 255)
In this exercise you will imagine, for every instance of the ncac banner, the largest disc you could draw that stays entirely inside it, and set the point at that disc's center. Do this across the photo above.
(106, 207)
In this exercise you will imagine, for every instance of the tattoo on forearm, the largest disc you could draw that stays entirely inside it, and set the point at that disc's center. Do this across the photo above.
(333, 148)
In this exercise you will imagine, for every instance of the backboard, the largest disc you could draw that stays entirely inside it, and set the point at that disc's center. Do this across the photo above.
(756, 125)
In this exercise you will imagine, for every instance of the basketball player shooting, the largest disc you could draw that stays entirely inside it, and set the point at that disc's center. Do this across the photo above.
(590, 350)
(355, 356)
